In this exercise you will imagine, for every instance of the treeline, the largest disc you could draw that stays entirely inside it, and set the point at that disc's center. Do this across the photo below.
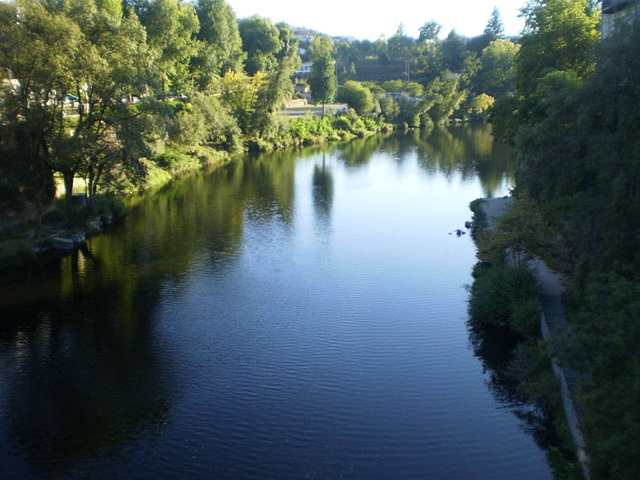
(427, 80)
(124, 93)
(575, 122)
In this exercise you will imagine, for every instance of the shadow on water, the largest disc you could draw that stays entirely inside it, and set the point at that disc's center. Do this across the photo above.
(84, 375)
(89, 377)
(496, 348)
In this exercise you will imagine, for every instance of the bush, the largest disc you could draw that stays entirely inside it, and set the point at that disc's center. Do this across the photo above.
(506, 296)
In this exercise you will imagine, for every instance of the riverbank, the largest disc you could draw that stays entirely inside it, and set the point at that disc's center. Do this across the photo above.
(553, 325)
(20, 244)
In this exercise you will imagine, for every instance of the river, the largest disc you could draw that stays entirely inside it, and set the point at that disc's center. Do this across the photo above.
(295, 315)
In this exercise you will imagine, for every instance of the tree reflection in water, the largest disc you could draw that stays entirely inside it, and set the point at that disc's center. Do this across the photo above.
(500, 351)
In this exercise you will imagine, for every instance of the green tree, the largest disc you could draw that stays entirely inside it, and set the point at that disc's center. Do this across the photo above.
(498, 74)
(429, 32)
(112, 7)
(171, 27)
(357, 96)
(113, 66)
(261, 41)
(41, 49)
(279, 87)
(323, 73)
(494, 29)
(221, 44)
(453, 50)
(401, 47)
(240, 93)
(559, 35)
(443, 98)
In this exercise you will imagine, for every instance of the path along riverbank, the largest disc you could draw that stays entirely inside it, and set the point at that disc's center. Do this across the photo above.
(553, 324)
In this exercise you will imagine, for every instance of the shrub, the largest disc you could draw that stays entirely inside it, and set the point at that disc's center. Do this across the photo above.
(506, 296)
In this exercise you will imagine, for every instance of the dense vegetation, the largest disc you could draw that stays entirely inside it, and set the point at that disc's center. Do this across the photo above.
(125, 94)
(574, 120)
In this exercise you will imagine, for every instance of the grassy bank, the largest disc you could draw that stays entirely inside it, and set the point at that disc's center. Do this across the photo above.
(18, 242)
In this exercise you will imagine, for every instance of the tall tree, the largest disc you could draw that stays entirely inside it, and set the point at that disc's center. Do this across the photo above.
(429, 32)
(494, 29)
(453, 49)
(498, 74)
(261, 41)
(171, 27)
(41, 49)
(221, 48)
(559, 35)
(322, 79)
(114, 66)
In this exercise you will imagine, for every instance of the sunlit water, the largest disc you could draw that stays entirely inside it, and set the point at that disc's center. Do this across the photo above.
(299, 315)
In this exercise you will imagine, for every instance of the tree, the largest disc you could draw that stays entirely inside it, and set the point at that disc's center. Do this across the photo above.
(443, 98)
(323, 73)
(171, 27)
(41, 49)
(239, 93)
(400, 45)
(112, 7)
(261, 41)
(357, 96)
(479, 105)
(494, 29)
(221, 44)
(498, 74)
(113, 66)
(453, 48)
(559, 35)
(280, 85)
(429, 32)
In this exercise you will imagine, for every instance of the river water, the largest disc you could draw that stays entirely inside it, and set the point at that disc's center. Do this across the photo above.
(296, 315)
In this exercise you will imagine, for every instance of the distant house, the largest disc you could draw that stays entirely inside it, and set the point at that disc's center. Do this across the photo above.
(618, 13)
(305, 70)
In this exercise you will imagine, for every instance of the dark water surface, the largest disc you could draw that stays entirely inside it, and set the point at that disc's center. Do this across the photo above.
(299, 315)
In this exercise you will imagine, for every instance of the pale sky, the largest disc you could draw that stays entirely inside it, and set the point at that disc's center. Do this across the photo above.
(369, 19)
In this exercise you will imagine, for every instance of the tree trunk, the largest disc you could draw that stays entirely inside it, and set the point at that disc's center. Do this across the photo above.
(68, 177)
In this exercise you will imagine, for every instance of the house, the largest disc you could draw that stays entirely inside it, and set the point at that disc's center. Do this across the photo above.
(305, 70)
(618, 13)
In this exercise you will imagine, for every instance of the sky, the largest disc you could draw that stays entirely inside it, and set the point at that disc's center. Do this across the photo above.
(369, 19)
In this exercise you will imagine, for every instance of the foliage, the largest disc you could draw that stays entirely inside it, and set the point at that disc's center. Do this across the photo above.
(506, 296)
(429, 32)
(239, 93)
(607, 335)
(559, 35)
(576, 126)
(357, 96)
(204, 121)
(221, 44)
(443, 98)
(261, 41)
(171, 28)
(498, 74)
(480, 105)
(494, 29)
(323, 78)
